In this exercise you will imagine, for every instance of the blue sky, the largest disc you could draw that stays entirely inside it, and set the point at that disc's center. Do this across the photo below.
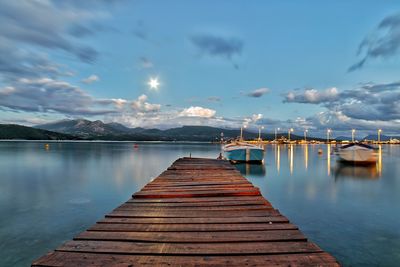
(303, 64)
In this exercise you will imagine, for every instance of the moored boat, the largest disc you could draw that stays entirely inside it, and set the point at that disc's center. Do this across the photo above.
(357, 153)
(243, 152)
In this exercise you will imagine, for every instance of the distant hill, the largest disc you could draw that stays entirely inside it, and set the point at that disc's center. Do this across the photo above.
(342, 138)
(383, 137)
(115, 131)
(84, 128)
(13, 131)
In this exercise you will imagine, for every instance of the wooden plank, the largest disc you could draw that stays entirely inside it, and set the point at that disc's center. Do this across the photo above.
(134, 207)
(201, 204)
(213, 220)
(64, 259)
(200, 193)
(192, 214)
(248, 248)
(197, 188)
(194, 237)
(74, 259)
(205, 183)
(195, 199)
(187, 227)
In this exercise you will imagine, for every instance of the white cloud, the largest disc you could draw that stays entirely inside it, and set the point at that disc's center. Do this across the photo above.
(91, 79)
(141, 105)
(313, 96)
(198, 112)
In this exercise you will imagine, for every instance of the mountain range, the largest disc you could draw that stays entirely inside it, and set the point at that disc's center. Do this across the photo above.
(81, 129)
(97, 130)
(13, 131)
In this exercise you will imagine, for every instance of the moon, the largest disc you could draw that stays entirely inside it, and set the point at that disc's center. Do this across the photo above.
(154, 83)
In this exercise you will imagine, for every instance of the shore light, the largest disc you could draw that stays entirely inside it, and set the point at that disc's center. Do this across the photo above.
(259, 132)
(328, 133)
(379, 135)
(290, 131)
(276, 132)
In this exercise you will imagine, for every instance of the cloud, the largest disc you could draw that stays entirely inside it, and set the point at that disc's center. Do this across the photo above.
(140, 31)
(146, 63)
(91, 79)
(312, 96)
(46, 95)
(383, 42)
(142, 105)
(368, 106)
(253, 119)
(198, 112)
(213, 99)
(49, 24)
(258, 92)
(218, 46)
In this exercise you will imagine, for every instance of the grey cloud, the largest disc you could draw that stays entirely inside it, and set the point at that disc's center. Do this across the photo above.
(312, 96)
(381, 87)
(80, 31)
(16, 63)
(218, 46)
(146, 63)
(369, 102)
(46, 95)
(214, 99)
(383, 42)
(258, 92)
(45, 24)
(140, 30)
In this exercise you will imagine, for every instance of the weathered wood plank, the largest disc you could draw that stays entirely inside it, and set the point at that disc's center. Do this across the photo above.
(200, 193)
(194, 237)
(231, 248)
(192, 214)
(74, 259)
(195, 199)
(134, 207)
(213, 220)
(115, 227)
(200, 204)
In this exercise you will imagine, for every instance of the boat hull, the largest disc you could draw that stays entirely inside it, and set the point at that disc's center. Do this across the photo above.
(357, 156)
(245, 155)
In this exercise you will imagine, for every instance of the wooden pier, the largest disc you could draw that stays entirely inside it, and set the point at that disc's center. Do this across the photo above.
(200, 212)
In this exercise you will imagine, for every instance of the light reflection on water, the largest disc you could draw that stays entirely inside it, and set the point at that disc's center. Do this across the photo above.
(49, 194)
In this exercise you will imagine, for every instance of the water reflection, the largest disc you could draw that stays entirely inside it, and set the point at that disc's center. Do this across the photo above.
(328, 159)
(343, 170)
(380, 160)
(305, 156)
(332, 168)
(251, 169)
(290, 156)
(278, 157)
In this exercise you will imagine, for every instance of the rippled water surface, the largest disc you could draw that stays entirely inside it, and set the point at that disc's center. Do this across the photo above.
(49, 194)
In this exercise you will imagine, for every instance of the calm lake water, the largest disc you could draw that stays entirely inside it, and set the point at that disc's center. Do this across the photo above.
(47, 196)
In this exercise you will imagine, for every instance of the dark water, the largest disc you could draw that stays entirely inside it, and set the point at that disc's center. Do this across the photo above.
(48, 195)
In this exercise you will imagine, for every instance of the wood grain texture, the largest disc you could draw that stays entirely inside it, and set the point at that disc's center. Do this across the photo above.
(199, 212)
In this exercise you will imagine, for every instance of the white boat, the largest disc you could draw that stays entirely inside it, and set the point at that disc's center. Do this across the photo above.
(357, 153)
(243, 152)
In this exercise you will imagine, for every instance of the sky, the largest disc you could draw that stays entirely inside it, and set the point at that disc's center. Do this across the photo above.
(278, 64)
